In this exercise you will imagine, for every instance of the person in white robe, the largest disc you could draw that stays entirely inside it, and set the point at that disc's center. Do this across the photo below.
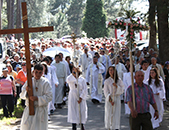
(47, 75)
(42, 95)
(74, 100)
(94, 78)
(157, 85)
(120, 70)
(146, 69)
(61, 75)
(84, 61)
(54, 79)
(112, 91)
(127, 83)
(92, 52)
(62, 60)
(105, 60)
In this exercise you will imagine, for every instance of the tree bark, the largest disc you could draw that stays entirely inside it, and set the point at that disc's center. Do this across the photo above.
(0, 15)
(10, 14)
(19, 18)
(163, 30)
(152, 23)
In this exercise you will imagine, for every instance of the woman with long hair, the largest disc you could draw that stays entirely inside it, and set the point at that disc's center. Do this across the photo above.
(157, 85)
(47, 75)
(113, 88)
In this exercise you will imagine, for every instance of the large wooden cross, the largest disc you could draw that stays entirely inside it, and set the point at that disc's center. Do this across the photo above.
(26, 30)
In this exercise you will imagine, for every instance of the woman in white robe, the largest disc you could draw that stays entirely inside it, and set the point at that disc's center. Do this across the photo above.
(157, 85)
(74, 100)
(42, 95)
(47, 75)
(112, 92)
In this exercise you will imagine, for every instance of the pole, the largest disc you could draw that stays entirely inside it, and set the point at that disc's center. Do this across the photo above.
(132, 80)
(75, 60)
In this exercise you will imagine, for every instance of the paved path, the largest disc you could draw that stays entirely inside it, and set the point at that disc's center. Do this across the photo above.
(95, 118)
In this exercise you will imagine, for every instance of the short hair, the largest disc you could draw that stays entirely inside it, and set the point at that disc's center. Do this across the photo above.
(96, 53)
(139, 71)
(38, 67)
(50, 58)
(67, 57)
(57, 55)
(154, 58)
(144, 61)
(46, 59)
(95, 57)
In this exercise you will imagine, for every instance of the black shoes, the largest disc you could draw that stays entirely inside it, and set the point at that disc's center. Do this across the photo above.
(95, 101)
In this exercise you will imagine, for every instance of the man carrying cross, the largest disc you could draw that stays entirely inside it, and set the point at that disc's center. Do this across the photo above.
(42, 96)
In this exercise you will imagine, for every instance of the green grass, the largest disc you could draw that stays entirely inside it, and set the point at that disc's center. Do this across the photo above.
(16, 114)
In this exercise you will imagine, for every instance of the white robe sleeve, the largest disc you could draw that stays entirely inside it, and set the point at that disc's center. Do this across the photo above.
(54, 77)
(47, 96)
(161, 90)
(65, 73)
(83, 94)
(109, 61)
(120, 87)
(23, 94)
(101, 69)
(89, 59)
(106, 89)
(88, 74)
(80, 60)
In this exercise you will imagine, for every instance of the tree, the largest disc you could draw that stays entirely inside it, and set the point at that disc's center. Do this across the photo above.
(19, 17)
(152, 24)
(1, 3)
(94, 20)
(75, 15)
(163, 29)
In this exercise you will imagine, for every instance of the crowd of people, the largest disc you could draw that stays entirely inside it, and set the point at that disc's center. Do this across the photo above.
(97, 64)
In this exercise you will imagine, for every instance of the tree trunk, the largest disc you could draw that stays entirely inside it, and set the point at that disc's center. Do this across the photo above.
(10, 14)
(0, 15)
(152, 23)
(163, 33)
(19, 18)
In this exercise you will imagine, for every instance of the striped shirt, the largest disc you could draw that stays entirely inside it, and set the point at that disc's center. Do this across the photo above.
(143, 97)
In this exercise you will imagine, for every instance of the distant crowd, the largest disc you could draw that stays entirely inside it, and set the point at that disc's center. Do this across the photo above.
(102, 52)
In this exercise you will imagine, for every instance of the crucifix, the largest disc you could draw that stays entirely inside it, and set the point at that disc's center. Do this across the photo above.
(131, 26)
(26, 30)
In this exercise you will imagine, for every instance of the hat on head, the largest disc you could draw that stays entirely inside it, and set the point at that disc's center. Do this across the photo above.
(167, 63)
(4, 69)
(18, 66)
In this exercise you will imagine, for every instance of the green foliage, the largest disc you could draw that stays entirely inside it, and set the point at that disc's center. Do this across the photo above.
(75, 15)
(94, 20)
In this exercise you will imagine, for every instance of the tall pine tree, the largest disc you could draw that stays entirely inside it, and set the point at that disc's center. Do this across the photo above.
(94, 20)
(75, 15)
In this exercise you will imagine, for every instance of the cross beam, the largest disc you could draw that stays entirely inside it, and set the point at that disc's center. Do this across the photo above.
(26, 30)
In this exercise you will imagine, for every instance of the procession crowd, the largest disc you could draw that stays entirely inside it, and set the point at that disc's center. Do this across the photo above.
(103, 64)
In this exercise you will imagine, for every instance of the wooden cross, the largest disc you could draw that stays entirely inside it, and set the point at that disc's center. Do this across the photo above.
(26, 30)
(130, 25)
